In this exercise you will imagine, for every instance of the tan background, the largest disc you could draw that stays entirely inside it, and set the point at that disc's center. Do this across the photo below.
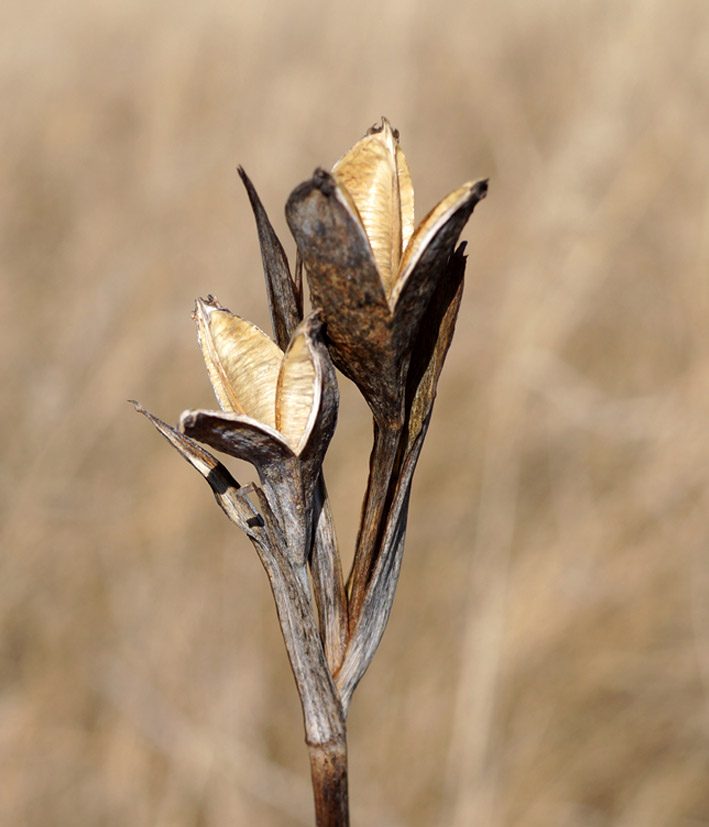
(547, 660)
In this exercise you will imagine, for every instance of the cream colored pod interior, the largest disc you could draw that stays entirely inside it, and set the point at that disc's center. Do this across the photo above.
(252, 377)
(375, 174)
(379, 192)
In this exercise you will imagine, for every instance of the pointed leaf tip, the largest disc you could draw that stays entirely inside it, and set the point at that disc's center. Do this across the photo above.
(284, 297)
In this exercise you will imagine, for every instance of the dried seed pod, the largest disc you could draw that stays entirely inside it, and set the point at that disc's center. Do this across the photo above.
(369, 271)
(243, 363)
(278, 409)
(375, 174)
(253, 379)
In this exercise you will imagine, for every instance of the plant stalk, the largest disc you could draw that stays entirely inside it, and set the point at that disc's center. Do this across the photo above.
(328, 768)
(382, 467)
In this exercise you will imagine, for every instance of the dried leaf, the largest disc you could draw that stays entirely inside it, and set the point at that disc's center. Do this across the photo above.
(225, 488)
(379, 597)
(328, 583)
(322, 712)
(378, 571)
(285, 298)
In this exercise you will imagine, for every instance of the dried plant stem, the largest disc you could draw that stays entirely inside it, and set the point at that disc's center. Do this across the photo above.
(328, 768)
(382, 467)
(379, 595)
(329, 587)
(323, 714)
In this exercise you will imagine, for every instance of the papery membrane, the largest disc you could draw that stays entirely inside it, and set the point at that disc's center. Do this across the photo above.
(375, 174)
(242, 361)
(298, 385)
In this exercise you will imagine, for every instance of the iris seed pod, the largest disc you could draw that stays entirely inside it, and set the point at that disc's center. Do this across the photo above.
(279, 410)
(369, 270)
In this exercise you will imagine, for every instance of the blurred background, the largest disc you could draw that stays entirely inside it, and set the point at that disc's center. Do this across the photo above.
(547, 659)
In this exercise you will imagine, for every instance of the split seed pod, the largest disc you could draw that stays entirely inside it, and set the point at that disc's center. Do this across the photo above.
(369, 270)
(278, 409)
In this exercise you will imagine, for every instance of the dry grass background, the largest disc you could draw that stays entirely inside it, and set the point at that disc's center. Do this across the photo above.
(547, 660)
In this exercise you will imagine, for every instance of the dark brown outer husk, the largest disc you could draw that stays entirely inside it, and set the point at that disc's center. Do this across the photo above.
(431, 267)
(345, 284)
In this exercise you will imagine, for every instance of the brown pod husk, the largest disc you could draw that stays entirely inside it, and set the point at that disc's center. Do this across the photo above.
(368, 269)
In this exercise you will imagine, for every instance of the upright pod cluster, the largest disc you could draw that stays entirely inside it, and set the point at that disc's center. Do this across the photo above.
(385, 295)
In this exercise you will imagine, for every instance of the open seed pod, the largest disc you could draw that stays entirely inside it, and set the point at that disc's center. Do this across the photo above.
(278, 409)
(369, 270)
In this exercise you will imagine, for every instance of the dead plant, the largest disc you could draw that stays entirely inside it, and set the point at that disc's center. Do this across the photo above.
(386, 295)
